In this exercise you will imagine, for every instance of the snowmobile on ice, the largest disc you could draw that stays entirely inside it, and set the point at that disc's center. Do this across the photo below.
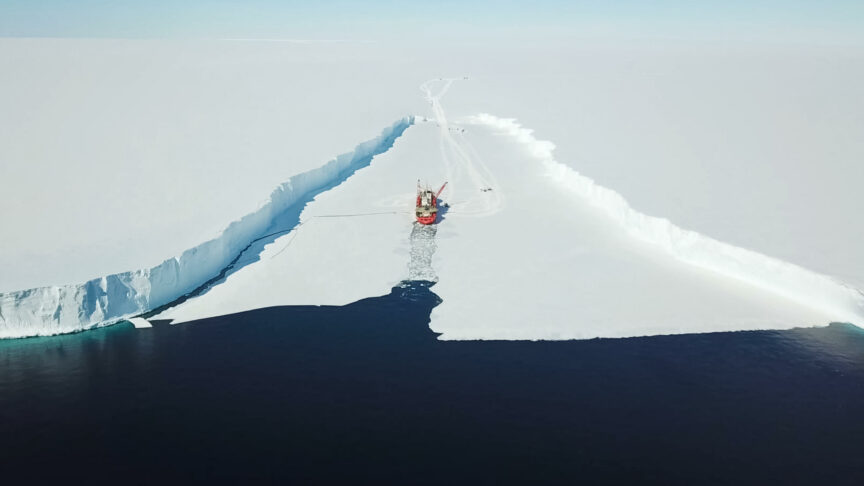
(426, 209)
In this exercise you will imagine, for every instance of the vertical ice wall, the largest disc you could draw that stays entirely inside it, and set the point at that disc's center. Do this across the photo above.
(806, 287)
(106, 300)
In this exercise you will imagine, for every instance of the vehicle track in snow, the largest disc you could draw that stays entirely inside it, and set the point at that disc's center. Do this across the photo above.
(472, 185)
(470, 181)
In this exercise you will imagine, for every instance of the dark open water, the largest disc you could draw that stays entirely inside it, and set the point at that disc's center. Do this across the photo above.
(366, 394)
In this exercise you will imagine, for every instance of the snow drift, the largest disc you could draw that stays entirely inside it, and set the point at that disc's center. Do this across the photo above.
(785, 279)
(106, 300)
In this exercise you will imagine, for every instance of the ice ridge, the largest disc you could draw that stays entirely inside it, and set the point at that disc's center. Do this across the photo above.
(107, 300)
(843, 302)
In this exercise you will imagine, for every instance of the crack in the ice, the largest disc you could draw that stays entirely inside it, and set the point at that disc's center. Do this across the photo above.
(72, 308)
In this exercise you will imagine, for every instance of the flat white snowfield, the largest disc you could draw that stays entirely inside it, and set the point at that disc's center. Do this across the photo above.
(522, 252)
(133, 172)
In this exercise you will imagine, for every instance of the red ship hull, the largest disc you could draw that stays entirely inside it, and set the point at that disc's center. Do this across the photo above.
(426, 219)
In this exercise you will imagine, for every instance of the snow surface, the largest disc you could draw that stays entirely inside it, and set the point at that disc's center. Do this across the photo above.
(116, 155)
(546, 254)
(68, 308)
(756, 146)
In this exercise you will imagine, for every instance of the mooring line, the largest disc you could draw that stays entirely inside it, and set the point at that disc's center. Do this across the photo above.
(358, 214)
(310, 218)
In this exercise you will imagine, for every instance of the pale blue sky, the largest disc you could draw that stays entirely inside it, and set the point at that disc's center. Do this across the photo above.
(837, 21)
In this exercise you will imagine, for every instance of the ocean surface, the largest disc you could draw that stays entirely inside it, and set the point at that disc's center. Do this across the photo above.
(365, 393)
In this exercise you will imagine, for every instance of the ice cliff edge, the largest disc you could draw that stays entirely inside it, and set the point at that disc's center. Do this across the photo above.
(106, 300)
(825, 293)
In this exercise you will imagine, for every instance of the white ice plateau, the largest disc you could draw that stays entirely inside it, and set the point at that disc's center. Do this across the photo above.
(529, 247)
(106, 300)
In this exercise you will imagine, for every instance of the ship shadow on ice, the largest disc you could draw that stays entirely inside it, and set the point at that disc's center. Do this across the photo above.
(443, 209)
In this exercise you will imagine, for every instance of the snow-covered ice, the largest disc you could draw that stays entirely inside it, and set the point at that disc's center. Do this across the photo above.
(118, 154)
(541, 255)
(67, 308)
(134, 171)
(122, 164)
(140, 323)
(756, 146)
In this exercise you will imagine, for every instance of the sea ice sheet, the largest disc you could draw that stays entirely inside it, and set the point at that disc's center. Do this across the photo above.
(120, 157)
(517, 254)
